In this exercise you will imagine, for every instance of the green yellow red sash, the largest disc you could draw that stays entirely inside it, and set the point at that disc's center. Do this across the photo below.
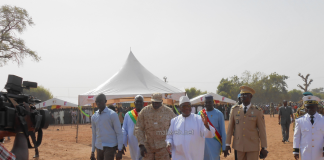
(218, 137)
(133, 115)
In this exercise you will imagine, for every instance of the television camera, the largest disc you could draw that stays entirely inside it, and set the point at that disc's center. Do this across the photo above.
(16, 106)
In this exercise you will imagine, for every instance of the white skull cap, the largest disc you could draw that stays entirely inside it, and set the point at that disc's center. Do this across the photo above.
(183, 99)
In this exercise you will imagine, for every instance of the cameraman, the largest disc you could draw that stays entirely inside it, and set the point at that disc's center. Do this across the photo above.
(20, 148)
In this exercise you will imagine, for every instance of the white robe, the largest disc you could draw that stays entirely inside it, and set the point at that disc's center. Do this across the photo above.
(61, 117)
(187, 137)
(87, 118)
(128, 136)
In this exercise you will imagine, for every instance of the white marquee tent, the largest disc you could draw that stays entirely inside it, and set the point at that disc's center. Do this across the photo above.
(201, 98)
(131, 80)
(65, 102)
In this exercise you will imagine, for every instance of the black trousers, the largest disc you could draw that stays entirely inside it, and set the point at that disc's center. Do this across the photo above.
(108, 153)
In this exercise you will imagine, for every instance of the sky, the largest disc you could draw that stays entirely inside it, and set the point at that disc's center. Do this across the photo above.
(192, 43)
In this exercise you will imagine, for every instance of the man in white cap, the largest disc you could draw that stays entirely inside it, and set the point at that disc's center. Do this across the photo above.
(187, 133)
(309, 132)
(129, 126)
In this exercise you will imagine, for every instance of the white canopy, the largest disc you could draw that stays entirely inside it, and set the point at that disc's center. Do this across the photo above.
(217, 97)
(131, 80)
(56, 101)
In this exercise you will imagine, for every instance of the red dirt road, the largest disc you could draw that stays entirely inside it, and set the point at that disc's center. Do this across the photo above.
(60, 145)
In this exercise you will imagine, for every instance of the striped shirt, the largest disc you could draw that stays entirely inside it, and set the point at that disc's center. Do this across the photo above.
(5, 154)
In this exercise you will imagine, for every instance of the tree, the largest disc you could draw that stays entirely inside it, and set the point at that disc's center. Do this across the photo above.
(194, 92)
(318, 90)
(268, 88)
(40, 92)
(306, 84)
(13, 20)
(295, 95)
(225, 88)
(224, 94)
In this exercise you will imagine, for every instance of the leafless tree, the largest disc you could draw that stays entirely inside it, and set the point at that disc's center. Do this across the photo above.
(306, 84)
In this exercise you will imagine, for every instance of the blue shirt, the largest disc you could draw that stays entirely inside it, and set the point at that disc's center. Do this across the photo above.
(106, 130)
(212, 146)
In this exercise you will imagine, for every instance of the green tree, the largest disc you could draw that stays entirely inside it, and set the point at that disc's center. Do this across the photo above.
(268, 88)
(194, 92)
(225, 88)
(14, 20)
(224, 94)
(40, 92)
(318, 90)
(295, 95)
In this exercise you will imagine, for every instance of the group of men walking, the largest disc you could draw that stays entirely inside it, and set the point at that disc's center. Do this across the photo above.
(155, 132)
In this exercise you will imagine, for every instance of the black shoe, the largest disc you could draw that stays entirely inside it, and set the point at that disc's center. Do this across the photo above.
(283, 141)
(287, 141)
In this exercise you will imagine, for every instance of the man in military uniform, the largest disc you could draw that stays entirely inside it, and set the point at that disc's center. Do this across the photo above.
(301, 111)
(239, 102)
(272, 109)
(150, 130)
(248, 123)
(309, 132)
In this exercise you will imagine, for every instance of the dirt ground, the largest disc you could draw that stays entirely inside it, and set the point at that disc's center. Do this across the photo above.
(61, 144)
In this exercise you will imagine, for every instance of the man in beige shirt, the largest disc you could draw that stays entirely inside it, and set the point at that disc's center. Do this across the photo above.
(248, 123)
(151, 129)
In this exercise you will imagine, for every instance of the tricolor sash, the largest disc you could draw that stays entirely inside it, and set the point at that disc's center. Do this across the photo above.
(218, 137)
(133, 115)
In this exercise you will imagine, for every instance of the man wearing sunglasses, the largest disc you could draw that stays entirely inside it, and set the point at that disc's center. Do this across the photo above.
(248, 123)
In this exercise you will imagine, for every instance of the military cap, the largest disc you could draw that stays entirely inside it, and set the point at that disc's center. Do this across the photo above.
(246, 89)
(311, 100)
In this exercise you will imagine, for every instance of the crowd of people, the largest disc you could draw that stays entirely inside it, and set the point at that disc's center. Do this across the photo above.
(156, 132)
(186, 132)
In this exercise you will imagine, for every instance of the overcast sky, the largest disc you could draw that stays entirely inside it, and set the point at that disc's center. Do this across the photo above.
(193, 43)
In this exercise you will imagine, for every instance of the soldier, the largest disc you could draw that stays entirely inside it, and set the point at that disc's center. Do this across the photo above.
(248, 123)
(272, 109)
(150, 130)
(301, 110)
(309, 133)
(239, 102)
